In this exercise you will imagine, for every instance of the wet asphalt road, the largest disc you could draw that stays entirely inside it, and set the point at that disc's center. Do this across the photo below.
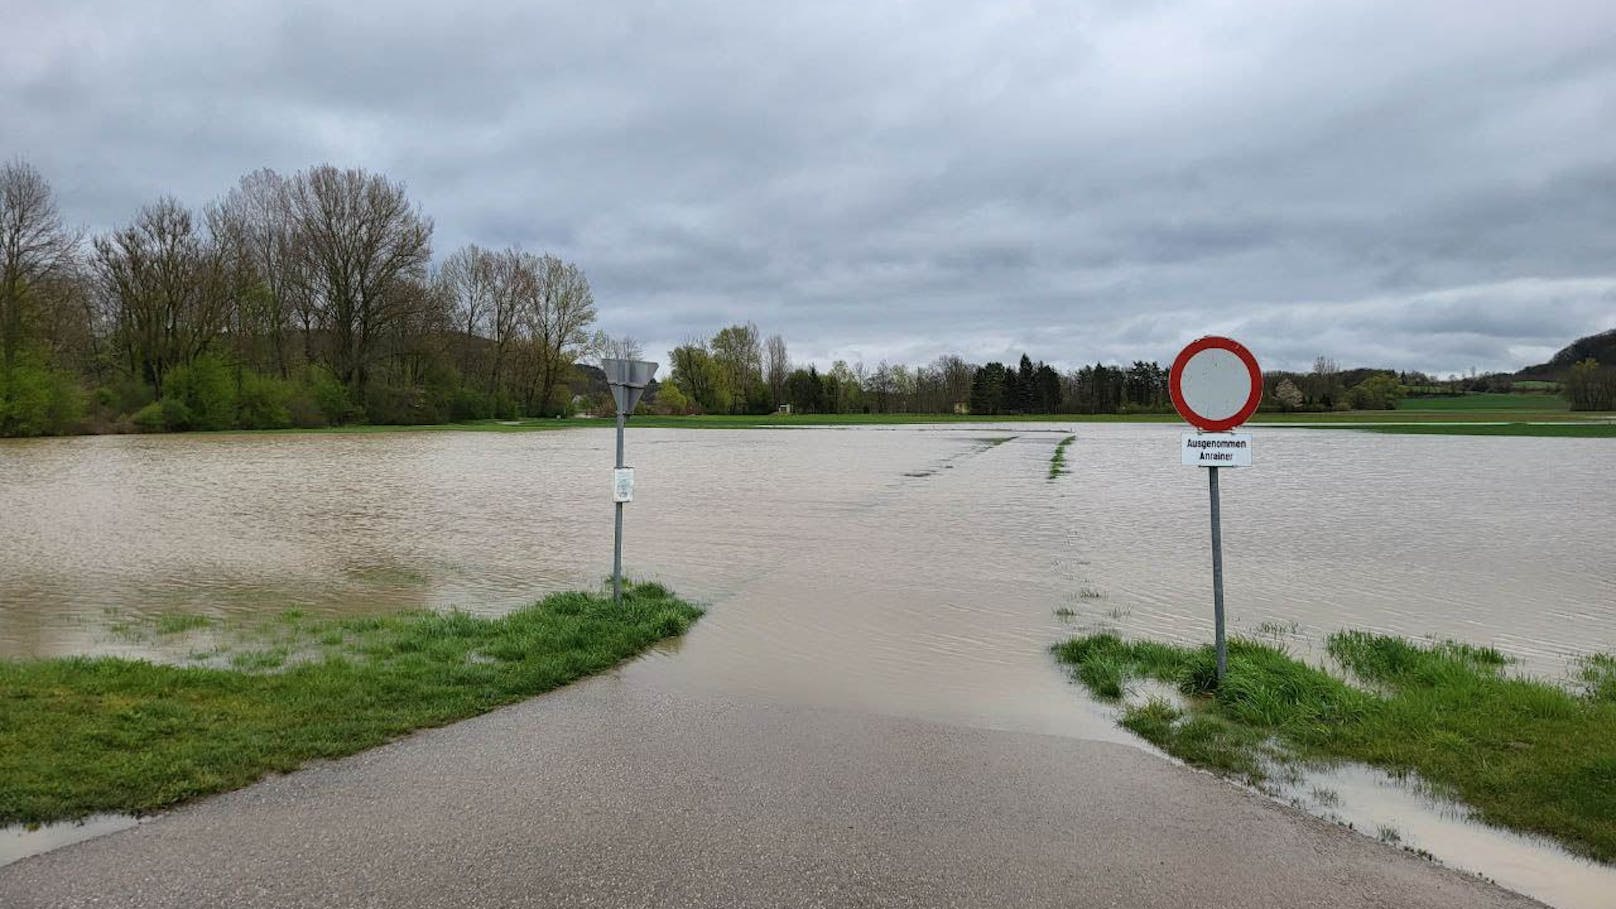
(610, 794)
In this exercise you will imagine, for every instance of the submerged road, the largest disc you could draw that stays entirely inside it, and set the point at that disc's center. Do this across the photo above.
(611, 793)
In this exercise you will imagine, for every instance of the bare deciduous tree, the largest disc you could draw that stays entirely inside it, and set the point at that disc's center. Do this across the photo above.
(558, 310)
(777, 368)
(35, 251)
(254, 228)
(956, 378)
(164, 286)
(364, 251)
(620, 347)
(1324, 383)
(468, 278)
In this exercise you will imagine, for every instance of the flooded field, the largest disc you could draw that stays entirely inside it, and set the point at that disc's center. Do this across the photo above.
(916, 571)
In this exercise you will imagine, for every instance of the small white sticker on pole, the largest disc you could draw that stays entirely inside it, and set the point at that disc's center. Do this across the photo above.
(623, 484)
(1217, 449)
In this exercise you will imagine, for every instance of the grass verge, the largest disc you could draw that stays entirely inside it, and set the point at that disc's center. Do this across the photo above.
(86, 735)
(1057, 461)
(1521, 753)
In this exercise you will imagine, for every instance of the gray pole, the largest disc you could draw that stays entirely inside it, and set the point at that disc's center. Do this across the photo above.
(617, 543)
(1217, 573)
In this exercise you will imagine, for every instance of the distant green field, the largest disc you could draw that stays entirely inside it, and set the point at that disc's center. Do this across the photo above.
(1564, 430)
(1472, 402)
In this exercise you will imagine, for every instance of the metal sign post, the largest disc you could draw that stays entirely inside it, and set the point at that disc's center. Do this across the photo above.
(627, 379)
(1217, 573)
(1216, 385)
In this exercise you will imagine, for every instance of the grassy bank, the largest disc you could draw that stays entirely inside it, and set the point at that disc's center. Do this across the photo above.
(1522, 753)
(82, 735)
(1057, 461)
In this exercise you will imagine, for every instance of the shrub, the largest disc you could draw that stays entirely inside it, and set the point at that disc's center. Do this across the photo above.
(176, 415)
(1590, 386)
(669, 399)
(1378, 392)
(206, 389)
(265, 402)
(505, 406)
(150, 418)
(124, 395)
(329, 395)
(303, 411)
(405, 405)
(470, 404)
(36, 400)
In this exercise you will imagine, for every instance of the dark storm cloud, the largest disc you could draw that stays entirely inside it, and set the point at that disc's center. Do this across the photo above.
(1426, 186)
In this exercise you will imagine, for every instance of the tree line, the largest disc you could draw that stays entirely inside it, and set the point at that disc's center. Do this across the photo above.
(737, 371)
(314, 299)
(308, 299)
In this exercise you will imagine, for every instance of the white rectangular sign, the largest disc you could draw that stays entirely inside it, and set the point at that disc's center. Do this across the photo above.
(1217, 449)
(623, 484)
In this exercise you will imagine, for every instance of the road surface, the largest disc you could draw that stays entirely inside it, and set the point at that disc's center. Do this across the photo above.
(610, 793)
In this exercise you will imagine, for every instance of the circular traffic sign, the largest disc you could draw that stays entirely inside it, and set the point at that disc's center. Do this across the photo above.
(1215, 383)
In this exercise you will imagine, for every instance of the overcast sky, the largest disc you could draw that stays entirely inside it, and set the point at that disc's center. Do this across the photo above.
(1417, 185)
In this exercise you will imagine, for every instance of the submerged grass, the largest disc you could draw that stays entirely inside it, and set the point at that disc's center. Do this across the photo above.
(180, 622)
(82, 735)
(1520, 752)
(1057, 461)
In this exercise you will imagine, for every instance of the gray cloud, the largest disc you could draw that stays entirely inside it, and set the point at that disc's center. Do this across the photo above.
(1425, 186)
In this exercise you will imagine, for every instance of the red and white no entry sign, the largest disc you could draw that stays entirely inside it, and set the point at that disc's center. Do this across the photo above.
(1215, 383)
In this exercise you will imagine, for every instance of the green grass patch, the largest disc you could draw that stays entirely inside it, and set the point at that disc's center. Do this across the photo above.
(85, 735)
(1057, 461)
(1522, 753)
(1485, 401)
(1560, 430)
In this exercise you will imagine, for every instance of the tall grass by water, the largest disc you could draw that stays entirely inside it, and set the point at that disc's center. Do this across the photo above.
(1521, 752)
(86, 735)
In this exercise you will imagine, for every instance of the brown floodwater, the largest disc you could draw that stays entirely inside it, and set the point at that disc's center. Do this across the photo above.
(915, 571)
